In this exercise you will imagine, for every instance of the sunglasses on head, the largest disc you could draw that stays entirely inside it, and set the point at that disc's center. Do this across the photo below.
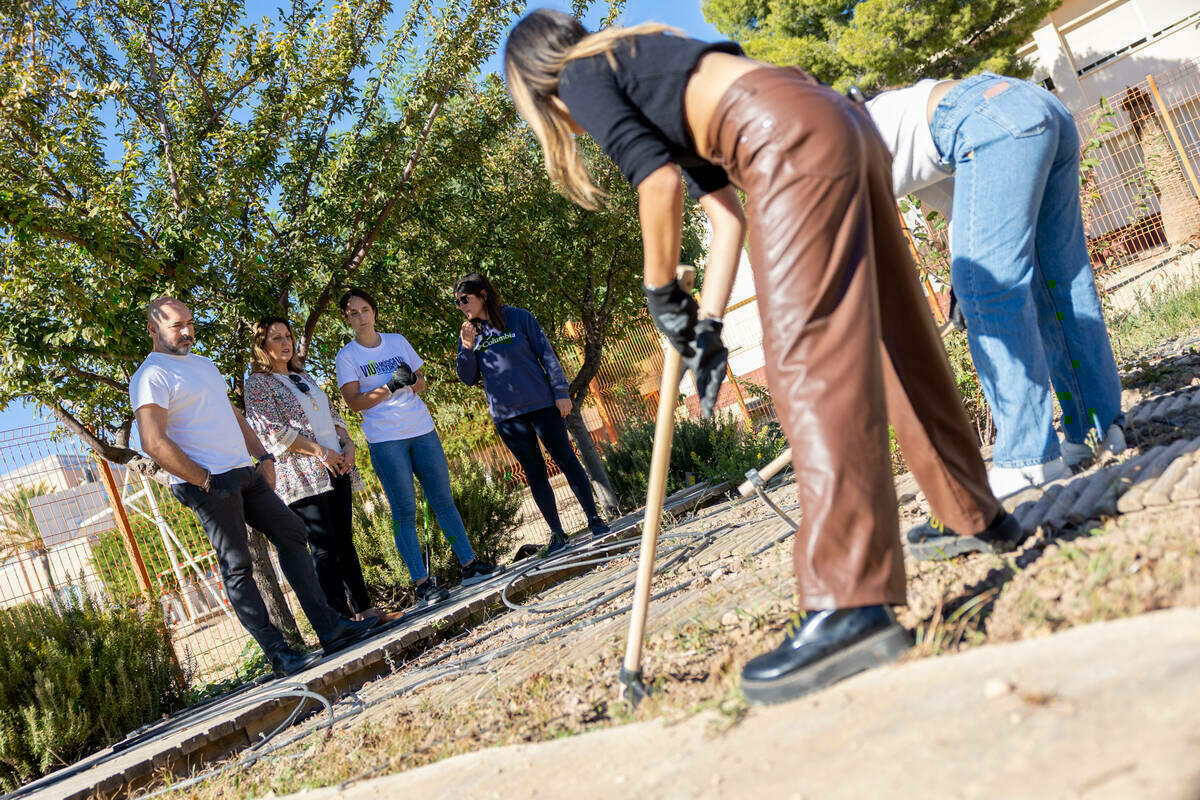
(300, 384)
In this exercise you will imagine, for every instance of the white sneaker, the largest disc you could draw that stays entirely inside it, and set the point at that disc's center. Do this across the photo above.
(1010, 480)
(1114, 442)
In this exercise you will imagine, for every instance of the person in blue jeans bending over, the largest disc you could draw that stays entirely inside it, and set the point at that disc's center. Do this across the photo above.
(506, 349)
(380, 375)
(1000, 158)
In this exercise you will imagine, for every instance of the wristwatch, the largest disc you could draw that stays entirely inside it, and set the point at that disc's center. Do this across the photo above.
(265, 457)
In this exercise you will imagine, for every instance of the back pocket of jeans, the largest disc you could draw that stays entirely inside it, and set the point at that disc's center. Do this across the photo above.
(1020, 113)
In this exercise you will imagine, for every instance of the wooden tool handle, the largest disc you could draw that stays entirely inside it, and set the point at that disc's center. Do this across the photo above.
(769, 471)
(660, 462)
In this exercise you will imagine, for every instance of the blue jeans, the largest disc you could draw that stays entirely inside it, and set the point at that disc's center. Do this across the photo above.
(1020, 266)
(395, 463)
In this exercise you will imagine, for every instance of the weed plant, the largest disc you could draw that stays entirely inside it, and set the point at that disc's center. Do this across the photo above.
(1160, 315)
(716, 450)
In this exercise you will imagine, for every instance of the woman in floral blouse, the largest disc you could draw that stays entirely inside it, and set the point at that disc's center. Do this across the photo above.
(315, 472)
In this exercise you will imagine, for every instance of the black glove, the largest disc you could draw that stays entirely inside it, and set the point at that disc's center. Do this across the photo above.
(402, 376)
(674, 312)
(956, 313)
(707, 363)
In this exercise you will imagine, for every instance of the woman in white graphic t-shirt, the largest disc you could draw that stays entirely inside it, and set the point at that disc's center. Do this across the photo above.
(380, 376)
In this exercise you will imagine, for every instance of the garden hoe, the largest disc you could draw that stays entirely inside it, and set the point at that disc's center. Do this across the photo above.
(632, 687)
(756, 482)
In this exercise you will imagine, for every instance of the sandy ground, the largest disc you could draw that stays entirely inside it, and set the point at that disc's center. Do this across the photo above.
(1110, 710)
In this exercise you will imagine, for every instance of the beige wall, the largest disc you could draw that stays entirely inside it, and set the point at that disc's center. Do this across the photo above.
(1137, 37)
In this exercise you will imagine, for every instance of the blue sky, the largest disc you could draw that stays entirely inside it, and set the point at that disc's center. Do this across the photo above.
(683, 14)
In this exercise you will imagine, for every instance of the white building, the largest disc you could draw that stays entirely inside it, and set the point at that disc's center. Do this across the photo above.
(1086, 49)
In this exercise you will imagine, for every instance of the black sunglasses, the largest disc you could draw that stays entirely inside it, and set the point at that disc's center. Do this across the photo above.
(300, 384)
(462, 301)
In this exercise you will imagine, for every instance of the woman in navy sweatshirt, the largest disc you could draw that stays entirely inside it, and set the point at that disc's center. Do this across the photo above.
(506, 349)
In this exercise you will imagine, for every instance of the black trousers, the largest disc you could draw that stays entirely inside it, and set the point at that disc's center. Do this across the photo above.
(329, 519)
(251, 501)
(521, 434)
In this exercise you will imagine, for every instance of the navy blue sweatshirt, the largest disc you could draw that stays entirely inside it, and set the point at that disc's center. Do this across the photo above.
(519, 370)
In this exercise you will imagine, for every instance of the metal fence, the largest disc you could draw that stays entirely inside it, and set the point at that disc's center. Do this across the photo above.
(1141, 157)
(70, 524)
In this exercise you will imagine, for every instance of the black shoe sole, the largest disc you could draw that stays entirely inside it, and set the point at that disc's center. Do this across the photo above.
(876, 650)
(1000, 537)
(481, 578)
(426, 602)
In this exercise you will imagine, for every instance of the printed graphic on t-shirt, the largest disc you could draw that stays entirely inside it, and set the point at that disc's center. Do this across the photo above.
(377, 367)
(489, 339)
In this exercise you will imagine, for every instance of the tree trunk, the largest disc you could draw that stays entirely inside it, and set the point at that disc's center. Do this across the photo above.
(606, 498)
(268, 586)
(43, 559)
(593, 349)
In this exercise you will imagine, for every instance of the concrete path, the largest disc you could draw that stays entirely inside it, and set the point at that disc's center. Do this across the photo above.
(1110, 710)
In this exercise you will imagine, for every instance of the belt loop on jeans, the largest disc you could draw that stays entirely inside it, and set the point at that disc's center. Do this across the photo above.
(951, 99)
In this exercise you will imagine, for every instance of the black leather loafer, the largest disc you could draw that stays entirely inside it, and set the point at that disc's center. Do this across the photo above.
(933, 541)
(287, 662)
(821, 648)
(346, 632)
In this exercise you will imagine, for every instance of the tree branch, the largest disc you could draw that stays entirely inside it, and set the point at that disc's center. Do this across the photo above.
(360, 249)
(164, 129)
(92, 376)
(114, 453)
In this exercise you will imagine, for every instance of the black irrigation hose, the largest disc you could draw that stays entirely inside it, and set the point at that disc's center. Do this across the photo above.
(596, 553)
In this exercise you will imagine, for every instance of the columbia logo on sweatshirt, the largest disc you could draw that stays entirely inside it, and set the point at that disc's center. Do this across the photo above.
(491, 341)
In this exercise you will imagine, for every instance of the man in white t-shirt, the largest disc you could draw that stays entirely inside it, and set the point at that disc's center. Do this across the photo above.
(221, 470)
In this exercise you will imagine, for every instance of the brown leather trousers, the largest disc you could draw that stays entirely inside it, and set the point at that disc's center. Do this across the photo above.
(835, 281)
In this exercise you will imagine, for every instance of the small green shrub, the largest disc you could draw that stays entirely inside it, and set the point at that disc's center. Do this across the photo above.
(77, 679)
(490, 513)
(252, 662)
(384, 573)
(701, 449)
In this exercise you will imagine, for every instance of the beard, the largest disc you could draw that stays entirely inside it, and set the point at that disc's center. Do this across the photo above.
(181, 347)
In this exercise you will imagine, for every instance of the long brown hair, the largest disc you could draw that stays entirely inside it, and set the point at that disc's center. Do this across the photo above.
(537, 48)
(476, 283)
(260, 360)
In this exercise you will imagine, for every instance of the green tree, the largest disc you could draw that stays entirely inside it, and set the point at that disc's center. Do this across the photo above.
(500, 214)
(879, 43)
(20, 534)
(245, 166)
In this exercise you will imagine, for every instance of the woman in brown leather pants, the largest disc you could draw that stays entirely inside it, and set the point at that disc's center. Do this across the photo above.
(848, 337)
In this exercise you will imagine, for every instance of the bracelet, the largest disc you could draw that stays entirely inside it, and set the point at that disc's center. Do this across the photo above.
(207, 481)
(324, 457)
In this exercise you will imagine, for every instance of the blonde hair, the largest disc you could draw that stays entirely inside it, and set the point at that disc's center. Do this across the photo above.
(260, 359)
(537, 49)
